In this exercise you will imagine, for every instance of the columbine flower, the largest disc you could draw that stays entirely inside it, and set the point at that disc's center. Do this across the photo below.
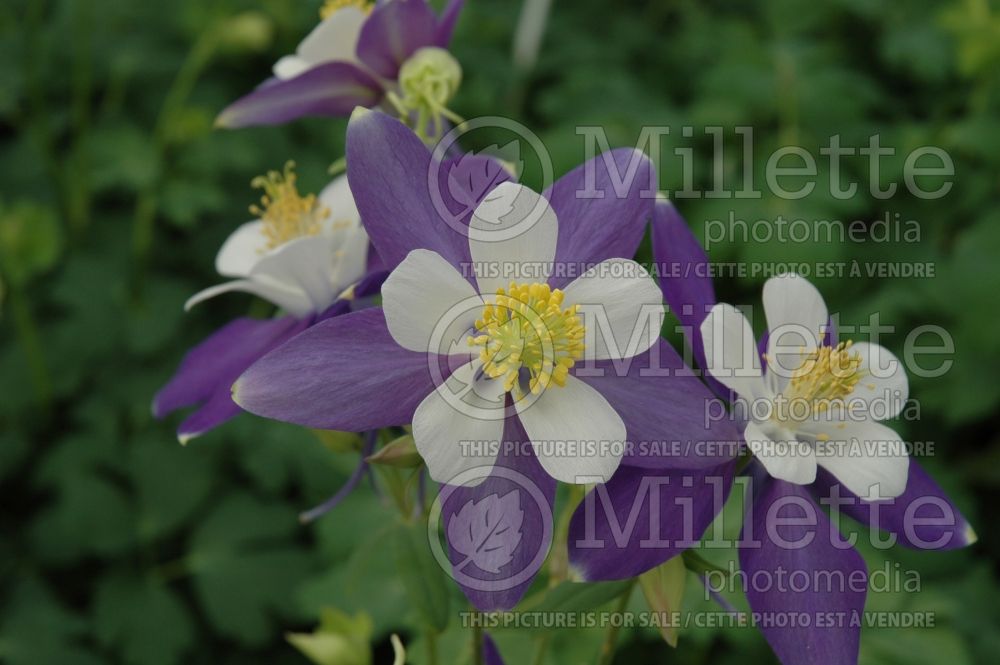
(362, 54)
(376, 368)
(819, 401)
(786, 532)
(301, 254)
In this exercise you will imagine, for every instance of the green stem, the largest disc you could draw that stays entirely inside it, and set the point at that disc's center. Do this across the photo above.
(607, 653)
(145, 208)
(477, 644)
(27, 333)
(541, 648)
(432, 653)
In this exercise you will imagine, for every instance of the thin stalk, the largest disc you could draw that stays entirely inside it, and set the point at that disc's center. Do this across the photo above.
(145, 208)
(607, 653)
(27, 334)
(541, 648)
(477, 643)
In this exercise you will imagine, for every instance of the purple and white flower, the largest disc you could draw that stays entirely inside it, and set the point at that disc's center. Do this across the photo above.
(301, 255)
(379, 367)
(786, 531)
(819, 403)
(361, 54)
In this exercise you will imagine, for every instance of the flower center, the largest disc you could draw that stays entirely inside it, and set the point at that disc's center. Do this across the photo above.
(427, 82)
(826, 376)
(527, 338)
(286, 214)
(330, 7)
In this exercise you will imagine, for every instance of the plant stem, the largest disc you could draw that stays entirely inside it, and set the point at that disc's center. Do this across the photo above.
(27, 333)
(477, 643)
(607, 653)
(432, 655)
(145, 208)
(541, 648)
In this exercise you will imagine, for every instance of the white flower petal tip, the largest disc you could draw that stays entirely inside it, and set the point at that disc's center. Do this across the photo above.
(234, 393)
(359, 113)
(186, 437)
(348, 293)
(731, 351)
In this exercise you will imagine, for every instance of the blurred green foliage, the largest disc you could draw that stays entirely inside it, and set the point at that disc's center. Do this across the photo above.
(119, 546)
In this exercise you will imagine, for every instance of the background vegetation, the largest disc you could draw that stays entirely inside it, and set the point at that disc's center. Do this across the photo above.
(119, 546)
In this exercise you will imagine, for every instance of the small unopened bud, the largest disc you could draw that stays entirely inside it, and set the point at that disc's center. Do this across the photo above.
(430, 74)
(248, 31)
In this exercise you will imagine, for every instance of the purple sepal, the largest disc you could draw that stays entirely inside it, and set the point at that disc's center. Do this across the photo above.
(603, 206)
(641, 518)
(491, 655)
(798, 568)
(447, 21)
(209, 369)
(345, 373)
(672, 420)
(922, 518)
(499, 532)
(329, 89)
(686, 281)
(393, 32)
(389, 176)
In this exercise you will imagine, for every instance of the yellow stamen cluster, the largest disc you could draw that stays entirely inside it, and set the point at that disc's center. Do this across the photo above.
(286, 214)
(826, 375)
(527, 328)
(330, 7)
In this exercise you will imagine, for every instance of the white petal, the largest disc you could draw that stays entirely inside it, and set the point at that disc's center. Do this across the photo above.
(242, 249)
(868, 458)
(782, 456)
(292, 301)
(731, 351)
(885, 388)
(512, 237)
(305, 265)
(289, 66)
(428, 303)
(336, 38)
(351, 258)
(459, 426)
(577, 436)
(621, 308)
(338, 199)
(796, 321)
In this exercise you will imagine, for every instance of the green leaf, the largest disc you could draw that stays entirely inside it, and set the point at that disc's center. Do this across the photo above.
(37, 630)
(244, 570)
(30, 241)
(163, 503)
(400, 453)
(91, 515)
(425, 581)
(663, 588)
(339, 640)
(578, 596)
(142, 620)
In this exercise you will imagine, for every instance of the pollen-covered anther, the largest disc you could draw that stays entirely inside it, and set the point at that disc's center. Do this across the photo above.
(286, 214)
(527, 337)
(826, 376)
(331, 7)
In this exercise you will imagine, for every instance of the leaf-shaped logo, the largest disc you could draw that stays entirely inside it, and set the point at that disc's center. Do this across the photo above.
(471, 178)
(486, 532)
